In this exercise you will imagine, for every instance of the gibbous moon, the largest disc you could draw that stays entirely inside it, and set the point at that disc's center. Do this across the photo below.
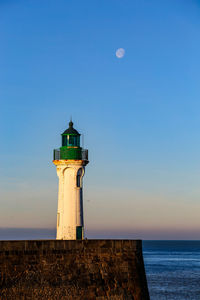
(120, 52)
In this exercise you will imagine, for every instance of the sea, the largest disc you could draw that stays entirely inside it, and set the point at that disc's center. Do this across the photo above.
(172, 267)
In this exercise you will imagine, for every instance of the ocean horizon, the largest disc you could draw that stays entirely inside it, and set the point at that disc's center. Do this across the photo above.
(19, 233)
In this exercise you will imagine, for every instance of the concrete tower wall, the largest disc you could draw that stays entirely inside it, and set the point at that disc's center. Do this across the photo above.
(70, 198)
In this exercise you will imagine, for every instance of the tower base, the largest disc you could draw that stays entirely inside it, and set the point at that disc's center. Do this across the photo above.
(87, 269)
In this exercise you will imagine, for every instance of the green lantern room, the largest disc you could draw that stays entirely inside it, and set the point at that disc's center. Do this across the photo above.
(70, 148)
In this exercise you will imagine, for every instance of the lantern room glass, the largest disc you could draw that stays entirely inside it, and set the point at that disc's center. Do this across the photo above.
(71, 140)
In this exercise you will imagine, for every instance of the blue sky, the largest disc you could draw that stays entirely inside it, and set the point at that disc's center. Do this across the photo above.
(140, 115)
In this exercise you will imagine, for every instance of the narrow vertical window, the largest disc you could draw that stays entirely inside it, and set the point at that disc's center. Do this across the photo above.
(78, 178)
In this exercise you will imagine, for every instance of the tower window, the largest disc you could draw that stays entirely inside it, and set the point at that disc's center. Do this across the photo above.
(78, 178)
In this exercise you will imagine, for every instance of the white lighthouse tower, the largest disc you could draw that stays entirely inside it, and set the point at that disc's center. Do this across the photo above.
(70, 161)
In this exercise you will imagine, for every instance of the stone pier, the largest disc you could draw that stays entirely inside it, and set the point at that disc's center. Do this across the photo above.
(84, 270)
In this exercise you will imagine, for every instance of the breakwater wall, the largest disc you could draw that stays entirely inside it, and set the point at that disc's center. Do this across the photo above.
(85, 270)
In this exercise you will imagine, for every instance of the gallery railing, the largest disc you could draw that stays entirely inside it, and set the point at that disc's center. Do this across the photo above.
(56, 154)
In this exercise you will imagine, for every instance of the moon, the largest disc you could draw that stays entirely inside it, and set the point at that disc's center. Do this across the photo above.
(120, 53)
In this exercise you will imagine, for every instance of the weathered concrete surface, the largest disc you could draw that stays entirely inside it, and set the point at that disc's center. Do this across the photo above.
(85, 270)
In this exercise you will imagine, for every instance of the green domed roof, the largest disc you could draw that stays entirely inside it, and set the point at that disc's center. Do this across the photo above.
(71, 130)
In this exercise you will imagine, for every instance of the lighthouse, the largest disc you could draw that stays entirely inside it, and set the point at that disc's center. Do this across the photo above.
(70, 160)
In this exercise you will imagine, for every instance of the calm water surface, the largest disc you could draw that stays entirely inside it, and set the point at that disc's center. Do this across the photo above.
(172, 269)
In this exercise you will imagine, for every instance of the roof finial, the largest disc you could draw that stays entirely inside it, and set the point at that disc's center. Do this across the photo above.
(71, 123)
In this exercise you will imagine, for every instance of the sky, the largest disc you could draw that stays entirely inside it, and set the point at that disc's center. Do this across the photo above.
(139, 114)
